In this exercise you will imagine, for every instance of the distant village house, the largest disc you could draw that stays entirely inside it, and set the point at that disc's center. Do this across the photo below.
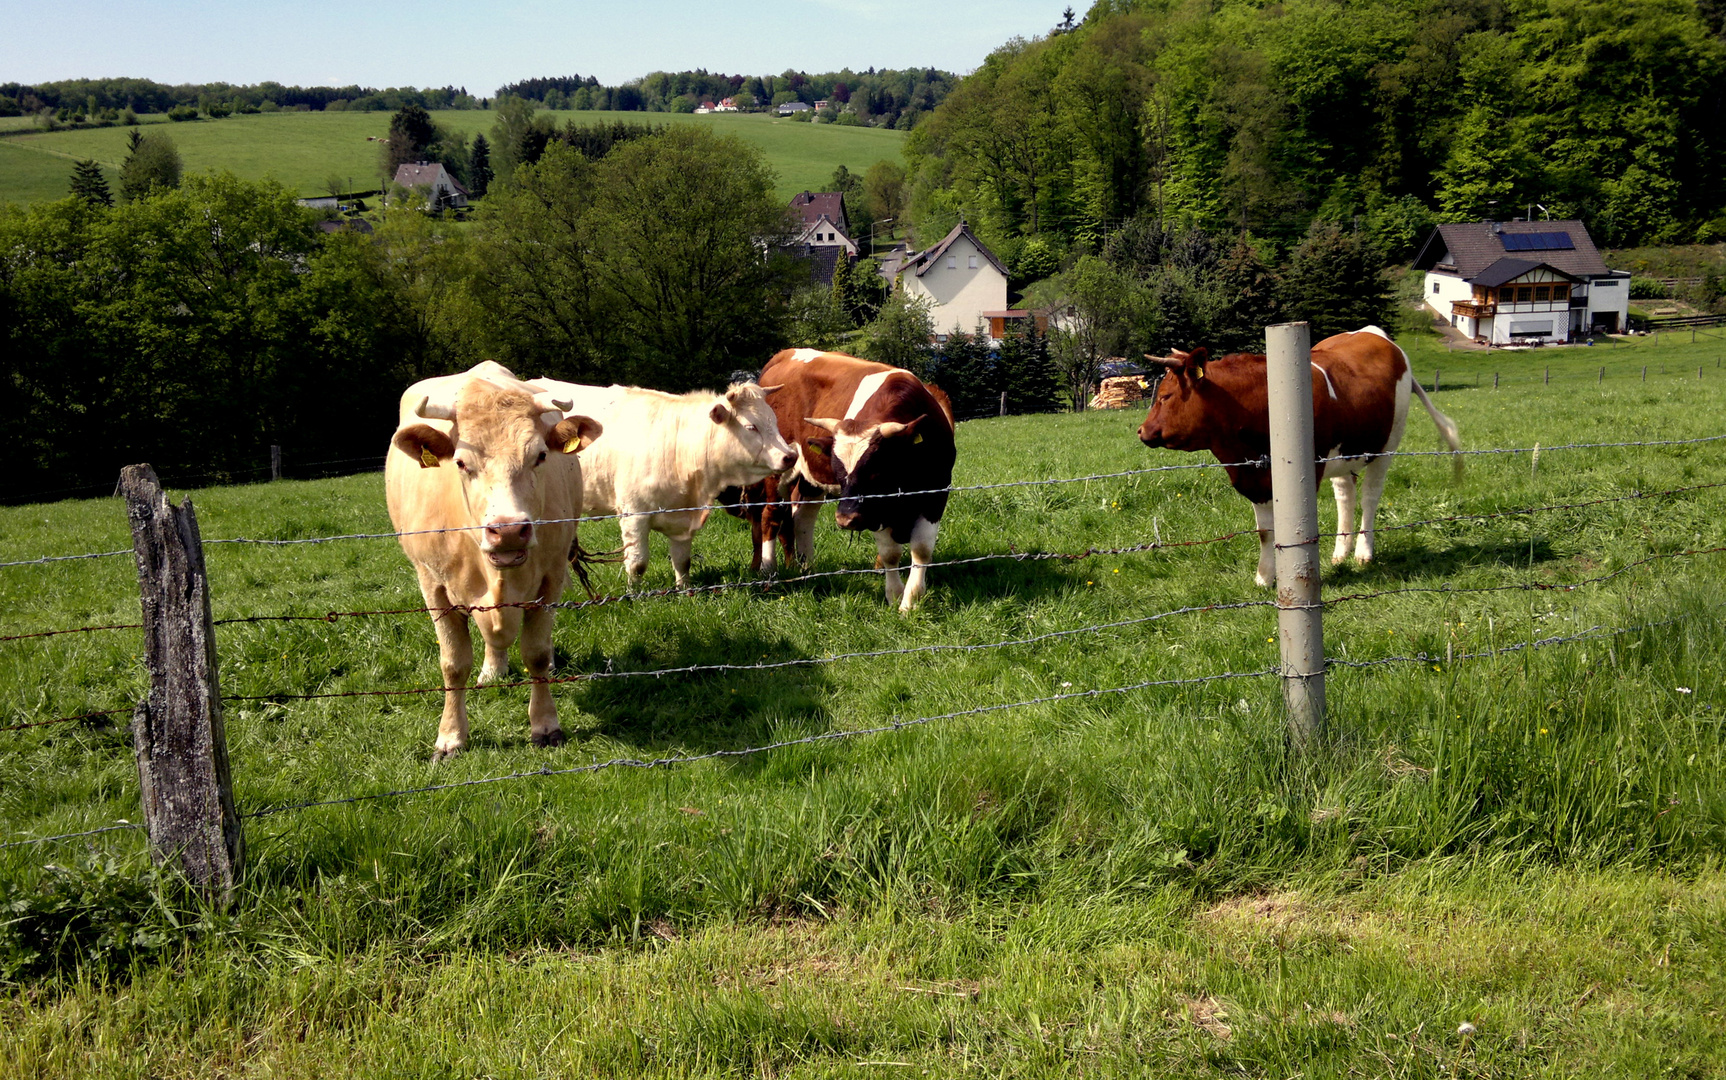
(823, 236)
(1522, 282)
(442, 191)
(964, 281)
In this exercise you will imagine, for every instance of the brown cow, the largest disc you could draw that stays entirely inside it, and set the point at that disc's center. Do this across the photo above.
(478, 464)
(870, 434)
(1361, 388)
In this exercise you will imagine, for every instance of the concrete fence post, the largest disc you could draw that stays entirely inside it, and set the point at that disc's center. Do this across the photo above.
(177, 733)
(1294, 499)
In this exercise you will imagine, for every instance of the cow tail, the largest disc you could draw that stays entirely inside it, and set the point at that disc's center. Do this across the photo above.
(580, 559)
(1446, 429)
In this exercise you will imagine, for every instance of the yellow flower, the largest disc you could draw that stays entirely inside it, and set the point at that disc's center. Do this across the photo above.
(1543, 731)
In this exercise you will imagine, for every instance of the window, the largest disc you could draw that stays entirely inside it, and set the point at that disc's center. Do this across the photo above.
(973, 263)
(1435, 286)
(952, 262)
(1561, 293)
(1542, 293)
(1524, 294)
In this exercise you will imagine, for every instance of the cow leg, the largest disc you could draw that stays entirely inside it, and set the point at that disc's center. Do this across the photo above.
(536, 655)
(922, 554)
(498, 628)
(803, 515)
(1371, 490)
(887, 554)
(1266, 520)
(1343, 486)
(682, 549)
(455, 662)
(634, 528)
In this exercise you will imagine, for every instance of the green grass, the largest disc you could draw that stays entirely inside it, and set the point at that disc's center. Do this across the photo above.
(1131, 883)
(302, 150)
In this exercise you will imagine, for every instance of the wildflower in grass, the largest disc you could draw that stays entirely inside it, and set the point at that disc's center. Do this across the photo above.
(1543, 731)
(1066, 684)
(1685, 690)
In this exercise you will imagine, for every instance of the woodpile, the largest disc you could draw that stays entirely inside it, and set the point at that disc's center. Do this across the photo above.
(1122, 391)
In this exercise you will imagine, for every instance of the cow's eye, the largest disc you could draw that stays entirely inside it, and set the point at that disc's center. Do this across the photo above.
(462, 465)
(541, 460)
(750, 427)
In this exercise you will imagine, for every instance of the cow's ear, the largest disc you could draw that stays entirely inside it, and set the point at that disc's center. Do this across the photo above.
(574, 434)
(823, 422)
(820, 445)
(1197, 359)
(427, 444)
(771, 389)
(720, 412)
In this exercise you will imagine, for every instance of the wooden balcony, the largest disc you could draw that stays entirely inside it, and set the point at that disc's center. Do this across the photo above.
(1473, 310)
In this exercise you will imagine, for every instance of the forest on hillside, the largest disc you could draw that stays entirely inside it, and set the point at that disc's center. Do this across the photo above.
(1238, 117)
(897, 99)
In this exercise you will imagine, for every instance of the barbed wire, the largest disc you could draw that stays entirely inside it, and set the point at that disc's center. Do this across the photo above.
(951, 489)
(772, 665)
(77, 630)
(1522, 510)
(68, 836)
(67, 719)
(829, 736)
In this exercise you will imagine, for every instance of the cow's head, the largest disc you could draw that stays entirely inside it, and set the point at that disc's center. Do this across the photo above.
(747, 421)
(869, 461)
(1178, 416)
(501, 437)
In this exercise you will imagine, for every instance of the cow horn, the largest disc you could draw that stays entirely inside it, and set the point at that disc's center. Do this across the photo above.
(425, 410)
(544, 402)
(823, 423)
(770, 389)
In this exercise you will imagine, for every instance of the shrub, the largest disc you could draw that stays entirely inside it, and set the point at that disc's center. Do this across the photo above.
(1643, 288)
(182, 112)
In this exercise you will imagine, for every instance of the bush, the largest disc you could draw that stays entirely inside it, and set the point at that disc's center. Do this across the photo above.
(1643, 288)
(98, 917)
(181, 113)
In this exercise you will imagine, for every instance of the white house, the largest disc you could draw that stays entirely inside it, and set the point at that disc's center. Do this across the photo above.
(441, 189)
(1510, 282)
(824, 224)
(964, 280)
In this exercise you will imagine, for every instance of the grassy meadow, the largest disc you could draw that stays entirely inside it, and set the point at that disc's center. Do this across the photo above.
(1123, 884)
(303, 150)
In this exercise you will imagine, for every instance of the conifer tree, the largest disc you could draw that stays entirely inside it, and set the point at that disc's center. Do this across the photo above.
(89, 184)
(479, 167)
(1027, 370)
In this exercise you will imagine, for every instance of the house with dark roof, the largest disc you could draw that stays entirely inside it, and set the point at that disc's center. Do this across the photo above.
(1522, 282)
(791, 108)
(964, 281)
(442, 191)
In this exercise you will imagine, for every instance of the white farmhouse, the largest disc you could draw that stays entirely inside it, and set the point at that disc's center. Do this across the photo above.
(1520, 282)
(963, 279)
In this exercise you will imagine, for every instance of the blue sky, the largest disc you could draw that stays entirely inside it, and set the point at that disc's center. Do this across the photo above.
(439, 42)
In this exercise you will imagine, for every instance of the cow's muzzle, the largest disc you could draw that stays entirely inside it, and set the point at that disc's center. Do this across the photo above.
(505, 543)
(1150, 436)
(849, 515)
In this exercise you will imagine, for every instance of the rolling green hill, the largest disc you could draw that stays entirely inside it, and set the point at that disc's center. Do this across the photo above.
(303, 149)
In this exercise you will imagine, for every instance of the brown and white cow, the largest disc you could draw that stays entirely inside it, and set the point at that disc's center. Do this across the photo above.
(1361, 387)
(664, 455)
(873, 436)
(492, 462)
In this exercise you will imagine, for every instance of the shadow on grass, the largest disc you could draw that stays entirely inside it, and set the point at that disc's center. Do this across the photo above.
(1409, 562)
(699, 712)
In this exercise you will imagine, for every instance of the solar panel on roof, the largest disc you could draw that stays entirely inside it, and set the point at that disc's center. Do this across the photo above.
(1538, 241)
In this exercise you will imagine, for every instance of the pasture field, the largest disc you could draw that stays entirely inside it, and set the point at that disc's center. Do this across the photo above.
(302, 150)
(1130, 883)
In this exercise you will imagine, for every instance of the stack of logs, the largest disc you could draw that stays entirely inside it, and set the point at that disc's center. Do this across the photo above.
(1121, 391)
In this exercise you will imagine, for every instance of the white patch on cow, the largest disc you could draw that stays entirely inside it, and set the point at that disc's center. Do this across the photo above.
(849, 448)
(1373, 330)
(803, 356)
(1328, 384)
(865, 390)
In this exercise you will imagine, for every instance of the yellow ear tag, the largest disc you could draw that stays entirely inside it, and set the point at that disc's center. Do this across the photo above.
(918, 439)
(427, 458)
(572, 445)
(1201, 373)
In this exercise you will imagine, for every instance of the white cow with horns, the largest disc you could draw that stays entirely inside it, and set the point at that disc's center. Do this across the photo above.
(483, 481)
(665, 457)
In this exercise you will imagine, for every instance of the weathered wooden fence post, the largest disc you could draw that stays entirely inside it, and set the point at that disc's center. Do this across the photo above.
(275, 463)
(177, 733)
(1003, 403)
(1294, 502)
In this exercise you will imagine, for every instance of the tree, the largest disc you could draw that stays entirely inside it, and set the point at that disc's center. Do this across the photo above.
(884, 192)
(900, 334)
(411, 136)
(1095, 308)
(814, 319)
(153, 165)
(1335, 281)
(646, 266)
(961, 367)
(89, 184)
(479, 166)
(1026, 370)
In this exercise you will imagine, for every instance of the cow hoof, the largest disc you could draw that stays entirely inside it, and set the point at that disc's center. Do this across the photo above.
(443, 755)
(487, 676)
(1263, 582)
(548, 740)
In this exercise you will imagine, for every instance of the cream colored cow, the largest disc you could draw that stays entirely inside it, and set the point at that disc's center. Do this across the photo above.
(483, 480)
(665, 456)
